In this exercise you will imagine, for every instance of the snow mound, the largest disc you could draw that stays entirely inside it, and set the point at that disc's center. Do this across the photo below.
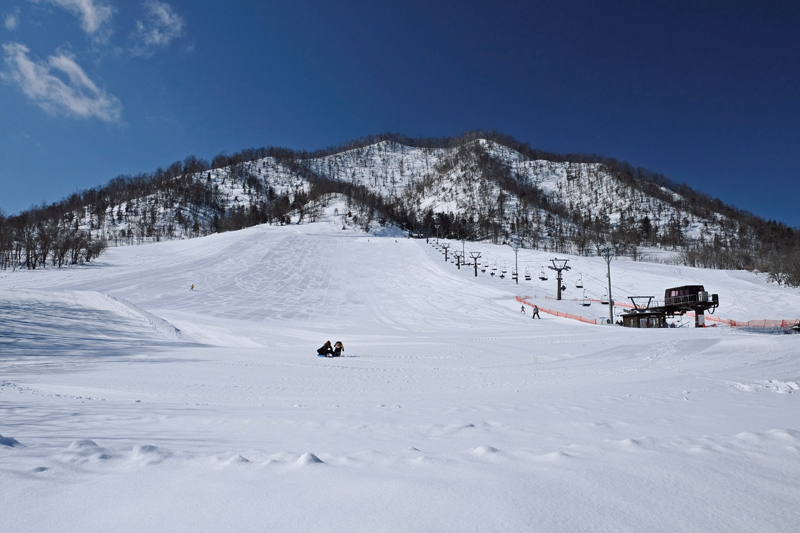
(790, 435)
(486, 451)
(85, 447)
(308, 459)
(236, 460)
(149, 454)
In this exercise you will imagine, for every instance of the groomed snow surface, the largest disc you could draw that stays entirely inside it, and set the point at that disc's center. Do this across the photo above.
(130, 403)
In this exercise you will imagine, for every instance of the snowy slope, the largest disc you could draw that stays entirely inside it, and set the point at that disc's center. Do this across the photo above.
(141, 405)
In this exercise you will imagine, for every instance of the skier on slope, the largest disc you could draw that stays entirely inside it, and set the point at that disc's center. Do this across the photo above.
(535, 313)
(326, 349)
(523, 309)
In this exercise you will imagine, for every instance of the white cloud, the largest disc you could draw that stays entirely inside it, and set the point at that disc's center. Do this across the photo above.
(162, 26)
(11, 20)
(94, 15)
(77, 95)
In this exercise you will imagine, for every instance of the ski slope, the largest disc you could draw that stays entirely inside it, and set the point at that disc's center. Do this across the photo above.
(129, 402)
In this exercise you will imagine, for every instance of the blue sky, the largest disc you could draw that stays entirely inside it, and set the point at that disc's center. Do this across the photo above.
(703, 91)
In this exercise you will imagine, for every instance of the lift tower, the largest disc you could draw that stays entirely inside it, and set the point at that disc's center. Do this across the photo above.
(475, 257)
(607, 252)
(515, 246)
(558, 266)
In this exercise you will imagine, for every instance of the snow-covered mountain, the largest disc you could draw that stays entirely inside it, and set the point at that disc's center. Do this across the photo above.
(477, 187)
(475, 181)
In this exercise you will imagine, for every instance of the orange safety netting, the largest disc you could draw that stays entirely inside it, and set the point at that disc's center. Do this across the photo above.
(523, 300)
(766, 323)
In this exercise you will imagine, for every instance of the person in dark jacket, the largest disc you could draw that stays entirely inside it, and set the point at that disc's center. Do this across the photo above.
(338, 348)
(535, 313)
(326, 349)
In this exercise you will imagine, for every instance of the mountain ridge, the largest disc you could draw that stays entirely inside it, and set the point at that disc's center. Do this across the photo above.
(478, 186)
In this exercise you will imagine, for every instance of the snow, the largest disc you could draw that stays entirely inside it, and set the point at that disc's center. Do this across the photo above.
(130, 403)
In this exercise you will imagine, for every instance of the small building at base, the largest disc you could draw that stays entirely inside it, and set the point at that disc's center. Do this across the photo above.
(646, 319)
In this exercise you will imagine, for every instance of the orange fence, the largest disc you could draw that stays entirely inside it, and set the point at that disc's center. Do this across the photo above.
(523, 299)
(766, 323)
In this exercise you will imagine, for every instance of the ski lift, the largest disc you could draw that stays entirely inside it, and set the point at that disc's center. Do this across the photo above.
(484, 267)
(514, 273)
(543, 275)
(504, 269)
(502, 274)
(527, 274)
(586, 302)
(604, 299)
(563, 288)
(579, 283)
(494, 266)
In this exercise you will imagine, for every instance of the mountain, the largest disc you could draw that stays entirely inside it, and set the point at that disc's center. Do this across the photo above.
(479, 186)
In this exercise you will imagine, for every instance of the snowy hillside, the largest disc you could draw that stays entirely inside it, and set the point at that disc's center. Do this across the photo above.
(129, 402)
(450, 181)
(474, 188)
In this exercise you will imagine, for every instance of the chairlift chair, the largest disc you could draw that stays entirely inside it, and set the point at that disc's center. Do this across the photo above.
(527, 274)
(514, 273)
(504, 269)
(579, 283)
(586, 302)
(543, 275)
(604, 299)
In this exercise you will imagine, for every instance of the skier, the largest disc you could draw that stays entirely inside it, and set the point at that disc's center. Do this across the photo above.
(326, 349)
(191, 288)
(523, 309)
(535, 313)
(338, 348)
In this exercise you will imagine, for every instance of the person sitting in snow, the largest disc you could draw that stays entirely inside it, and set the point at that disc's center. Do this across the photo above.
(326, 349)
(338, 348)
